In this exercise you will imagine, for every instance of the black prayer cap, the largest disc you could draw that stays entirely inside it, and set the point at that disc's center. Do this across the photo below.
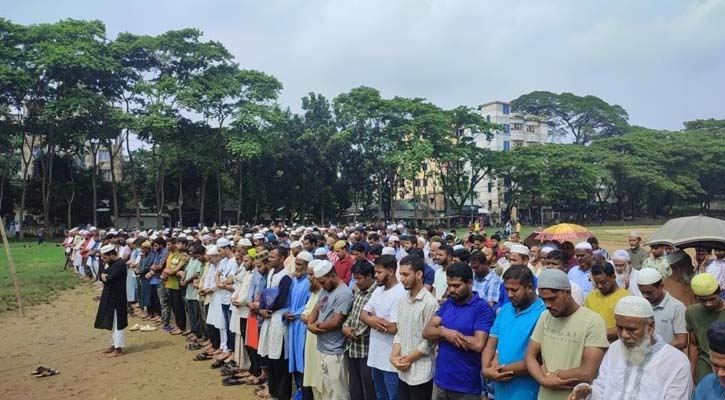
(716, 337)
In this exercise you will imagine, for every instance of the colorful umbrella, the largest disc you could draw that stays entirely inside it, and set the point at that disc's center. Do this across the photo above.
(697, 231)
(564, 232)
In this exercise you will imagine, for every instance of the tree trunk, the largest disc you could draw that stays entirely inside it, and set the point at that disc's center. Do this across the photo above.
(159, 188)
(114, 189)
(240, 193)
(94, 184)
(134, 190)
(47, 177)
(219, 195)
(202, 197)
(181, 197)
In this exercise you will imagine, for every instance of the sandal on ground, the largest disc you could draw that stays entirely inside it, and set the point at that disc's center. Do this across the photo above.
(135, 327)
(254, 380)
(39, 370)
(217, 364)
(175, 331)
(148, 328)
(48, 372)
(232, 382)
(202, 357)
(193, 346)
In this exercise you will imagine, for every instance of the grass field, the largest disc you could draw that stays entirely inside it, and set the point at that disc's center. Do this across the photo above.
(40, 273)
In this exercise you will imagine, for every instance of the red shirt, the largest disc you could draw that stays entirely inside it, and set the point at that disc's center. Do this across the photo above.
(344, 268)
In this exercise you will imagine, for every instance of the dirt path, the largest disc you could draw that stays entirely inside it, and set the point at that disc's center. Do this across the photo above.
(61, 336)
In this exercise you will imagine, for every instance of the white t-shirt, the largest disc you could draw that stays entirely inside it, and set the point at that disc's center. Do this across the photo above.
(227, 267)
(384, 304)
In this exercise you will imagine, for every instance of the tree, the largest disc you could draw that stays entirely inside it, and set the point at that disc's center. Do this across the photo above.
(584, 117)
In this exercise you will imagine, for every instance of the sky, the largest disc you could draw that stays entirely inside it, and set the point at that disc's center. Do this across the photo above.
(662, 60)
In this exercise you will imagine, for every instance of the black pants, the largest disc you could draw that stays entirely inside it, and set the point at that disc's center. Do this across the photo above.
(154, 306)
(280, 379)
(230, 335)
(422, 391)
(193, 306)
(212, 332)
(361, 379)
(177, 306)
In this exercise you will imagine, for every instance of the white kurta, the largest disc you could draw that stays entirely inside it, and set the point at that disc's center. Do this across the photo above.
(215, 317)
(239, 312)
(273, 333)
(665, 374)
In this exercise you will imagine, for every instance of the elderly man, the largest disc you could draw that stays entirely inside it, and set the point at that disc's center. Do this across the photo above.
(569, 340)
(636, 254)
(580, 273)
(669, 312)
(699, 318)
(111, 313)
(640, 364)
(712, 386)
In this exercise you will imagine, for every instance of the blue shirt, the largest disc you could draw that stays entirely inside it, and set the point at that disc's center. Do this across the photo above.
(258, 283)
(459, 370)
(488, 287)
(709, 388)
(513, 332)
(581, 278)
(429, 275)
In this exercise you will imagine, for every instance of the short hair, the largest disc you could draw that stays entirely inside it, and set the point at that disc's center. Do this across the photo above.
(593, 240)
(415, 262)
(496, 237)
(373, 236)
(416, 252)
(518, 273)
(460, 270)
(198, 249)
(282, 251)
(376, 250)
(603, 268)
(160, 241)
(480, 238)
(559, 256)
(359, 247)
(387, 261)
(363, 268)
(310, 238)
(478, 256)
(462, 254)
(447, 248)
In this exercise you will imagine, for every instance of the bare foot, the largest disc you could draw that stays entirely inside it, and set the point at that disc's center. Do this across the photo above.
(115, 353)
(108, 350)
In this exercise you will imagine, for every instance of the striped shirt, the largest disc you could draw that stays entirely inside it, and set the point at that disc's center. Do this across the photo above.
(358, 348)
(413, 315)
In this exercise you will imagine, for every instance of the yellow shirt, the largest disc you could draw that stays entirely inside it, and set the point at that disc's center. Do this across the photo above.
(604, 305)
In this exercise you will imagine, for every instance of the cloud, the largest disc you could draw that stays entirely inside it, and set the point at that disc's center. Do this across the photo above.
(660, 59)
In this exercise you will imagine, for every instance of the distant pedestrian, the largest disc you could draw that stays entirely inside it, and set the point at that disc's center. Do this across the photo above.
(40, 233)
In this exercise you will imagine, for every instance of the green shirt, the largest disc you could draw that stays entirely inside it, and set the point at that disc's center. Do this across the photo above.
(698, 320)
(637, 257)
(193, 270)
(175, 259)
(563, 341)
(660, 264)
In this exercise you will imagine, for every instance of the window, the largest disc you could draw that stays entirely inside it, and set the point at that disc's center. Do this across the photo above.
(518, 143)
(490, 205)
(506, 129)
(519, 127)
(506, 145)
(488, 118)
(106, 175)
(507, 108)
(104, 155)
(424, 166)
(490, 187)
(530, 129)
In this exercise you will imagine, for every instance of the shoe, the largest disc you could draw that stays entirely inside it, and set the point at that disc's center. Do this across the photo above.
(135, 327)
(148, 328)
(168, 328)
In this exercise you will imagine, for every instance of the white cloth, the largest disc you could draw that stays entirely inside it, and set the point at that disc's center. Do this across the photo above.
(273, 333)
(239, 312)
(227, 267)
(633, 285)
(665, 374)
(118, 337)
(383, 304)
(215, 317)
(577, 292)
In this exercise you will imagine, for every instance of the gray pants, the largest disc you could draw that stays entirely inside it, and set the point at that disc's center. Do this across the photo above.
(361, 379)
(165, 300)
(443, 394)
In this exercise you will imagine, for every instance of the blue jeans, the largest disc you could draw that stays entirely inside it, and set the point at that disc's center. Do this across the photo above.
(386, 384)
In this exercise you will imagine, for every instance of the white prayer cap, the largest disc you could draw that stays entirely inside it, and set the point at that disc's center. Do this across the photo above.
(458, 247)
(204, 231)
(634, 306)
(182, 236)
(187, 231)
(258, 236)
(212, 250)
(153, 237)
(320, 251)
(305, 255)
(245, 242)
(143, 235)
(388, 251)
(108, 248)
(322, 268)
(621, 255)
(84, 232)
(230, 237)
(400, 226)
(248, 235)
(295, 244)
(583, 246)
(508, 245)
(520, 249)
(648, 276)
(93, 229)
(635, 234)
(546, 249)
(205, 237)
(391, 227)
(554, 279)
(223, 242)
(218, 232)
(393, 238)
(130, 240)
(112, 232)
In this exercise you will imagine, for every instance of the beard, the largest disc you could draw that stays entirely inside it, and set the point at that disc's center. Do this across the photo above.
(636, 355)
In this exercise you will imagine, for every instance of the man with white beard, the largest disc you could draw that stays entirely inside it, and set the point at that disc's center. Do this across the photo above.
(640, 364)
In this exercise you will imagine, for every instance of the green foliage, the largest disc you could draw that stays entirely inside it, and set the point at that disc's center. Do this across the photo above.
(584, 117)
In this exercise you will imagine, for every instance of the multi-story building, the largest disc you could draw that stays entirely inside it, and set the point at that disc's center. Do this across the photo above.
(516, 130)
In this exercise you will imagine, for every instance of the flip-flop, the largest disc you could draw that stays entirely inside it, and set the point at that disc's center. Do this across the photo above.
(202, 357)
(135, 327)
(39, 370)
(232, 382)
(148, 328)
(49, 372)
(193, 346)
(217, 364)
